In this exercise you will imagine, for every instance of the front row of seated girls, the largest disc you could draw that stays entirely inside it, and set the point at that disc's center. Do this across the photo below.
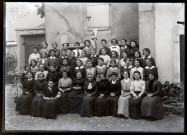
(86, 96)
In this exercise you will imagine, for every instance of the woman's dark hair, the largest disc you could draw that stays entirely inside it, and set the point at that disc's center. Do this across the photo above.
(136, 72)
(115, 53)
(89, 61)
(64, 72)
(50, 80)
(35, 48)
(45, 43)
(124, 40)
(104, 40)
(80, 61)
(45, 53)
(51, 51)
(138, 53)
(77, 43)
(146, 49)
(114, 40)
(149, 60)
(34, 61)
(136, 44)
(87, 41)
(65, 43)
(127, 73)
(41, 74)
(26, 65)
(64, 59)
(54, 43)
(52, 65)
(100, 59)
(137, 60)
(113, 73)
(30, 72)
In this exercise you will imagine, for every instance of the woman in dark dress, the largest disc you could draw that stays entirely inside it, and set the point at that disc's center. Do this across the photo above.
(150, 68)
(64, 87)
(79, 68)
(137, 90)
(112, 98)
(146, 55)
(132, 49)
(100, 102)
(51, 96)
(24, 102)
(75, 97)
(52, 60)
(24, 74)
(90, 90)
(72, 60)
(151, 107)
(65, 67)
(38, 101)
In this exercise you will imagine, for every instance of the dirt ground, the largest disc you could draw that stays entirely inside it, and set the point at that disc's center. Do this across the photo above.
(73, 122)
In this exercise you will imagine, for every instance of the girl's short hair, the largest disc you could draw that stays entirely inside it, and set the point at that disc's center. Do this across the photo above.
(41, 74)
(34, 61)
(146, 49)
(124, 40)
(52, 50)
(137, 60)
(27, 65)
(77, 43)
(115, 53)
(100, 59)
(138, 53)
(30, 72)
(65, 43)
(79, 60)
(89, 61)
(113, 73)
(87, 41)
(50, 80)
(35, 48)
(104, 40)
(45, 43)
(64, 59)
(127, 72)
(114, 40)
(54, 43)
(135, 73)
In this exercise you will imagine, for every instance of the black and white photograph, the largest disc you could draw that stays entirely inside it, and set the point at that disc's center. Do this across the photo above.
(123, 69)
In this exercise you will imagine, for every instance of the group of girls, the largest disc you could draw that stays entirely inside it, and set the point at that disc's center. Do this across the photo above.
(115, 81)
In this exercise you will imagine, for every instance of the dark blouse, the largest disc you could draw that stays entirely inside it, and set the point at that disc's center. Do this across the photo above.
(131, 51)
(115, 88)
(152, 70)
(53, 62)
(28, 86)
(67, 69)
(94, 60)
(78, 83)
(50, 93)
(103, 87)
(153, 87)
(91, 91)
(82, 70)
(144, 61)
(55, 76)
(108, 51)
(40, 86)
(72, 62)
(57, 52)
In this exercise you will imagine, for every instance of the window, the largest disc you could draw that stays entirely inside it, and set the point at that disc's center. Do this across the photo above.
(98, 16)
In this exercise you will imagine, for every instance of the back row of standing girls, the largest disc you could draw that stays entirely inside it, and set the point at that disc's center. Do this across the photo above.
(59, 84)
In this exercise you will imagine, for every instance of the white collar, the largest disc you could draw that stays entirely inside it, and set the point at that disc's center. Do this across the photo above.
(128, 67)
(50, 88)
(126, 80)
(113, 82)
(147, 57)
(79, 67)
(30, 79)
(64, 57)
(53, 57)
(147, 67)
(94, 55)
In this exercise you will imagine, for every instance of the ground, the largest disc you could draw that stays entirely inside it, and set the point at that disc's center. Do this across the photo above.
(73, 122)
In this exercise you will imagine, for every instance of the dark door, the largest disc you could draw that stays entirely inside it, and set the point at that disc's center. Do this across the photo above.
(182, 54)
(30, 42)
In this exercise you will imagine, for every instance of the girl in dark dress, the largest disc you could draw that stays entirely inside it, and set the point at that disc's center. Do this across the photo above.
(65, 67)
(51, 96)
(112, 98)
(75, 97)
(24, 74)
(34, 67)
(79, 68)
(90, 90)
(38, 101)
(132, 49)
(94, 58)
(146, 53)
(53, 75)
(72, 60)
(127, 67)
(137, 55)
(52, 60)
(150, 68)
(64, 87)
(24, 102)
(100, 102)
(137, 90)
(151, 106)
(57, 51)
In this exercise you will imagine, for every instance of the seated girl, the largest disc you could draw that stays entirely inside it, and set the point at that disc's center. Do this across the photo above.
(128, 66)
(100, 69)
(24, 102)
(43, 60)
(105, 57)
(72, 60)
(87, 49)
(44, 48)
(137, 68)
(57, 51)
(75, 97)
(137, 55)
(53, 75)
(137, 90)
(123, 46)
(150, 68)
(52, 60)
(132, 49)
(100, 102)
(146, 55)
(83, 58)
(123, 102)
(23, 77)
(65, 48)
(34, 67)
(65, 67)
(79, 68)
(115, 57)
(123, 59)
(77, 51)
(64, 87)
(51, 96)
(113, 69)
(38, 101)
(115, 46)
(94, 57)
(90, 90)
(151, 107)
(90, 69)
(41, 70)
(34, 56)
